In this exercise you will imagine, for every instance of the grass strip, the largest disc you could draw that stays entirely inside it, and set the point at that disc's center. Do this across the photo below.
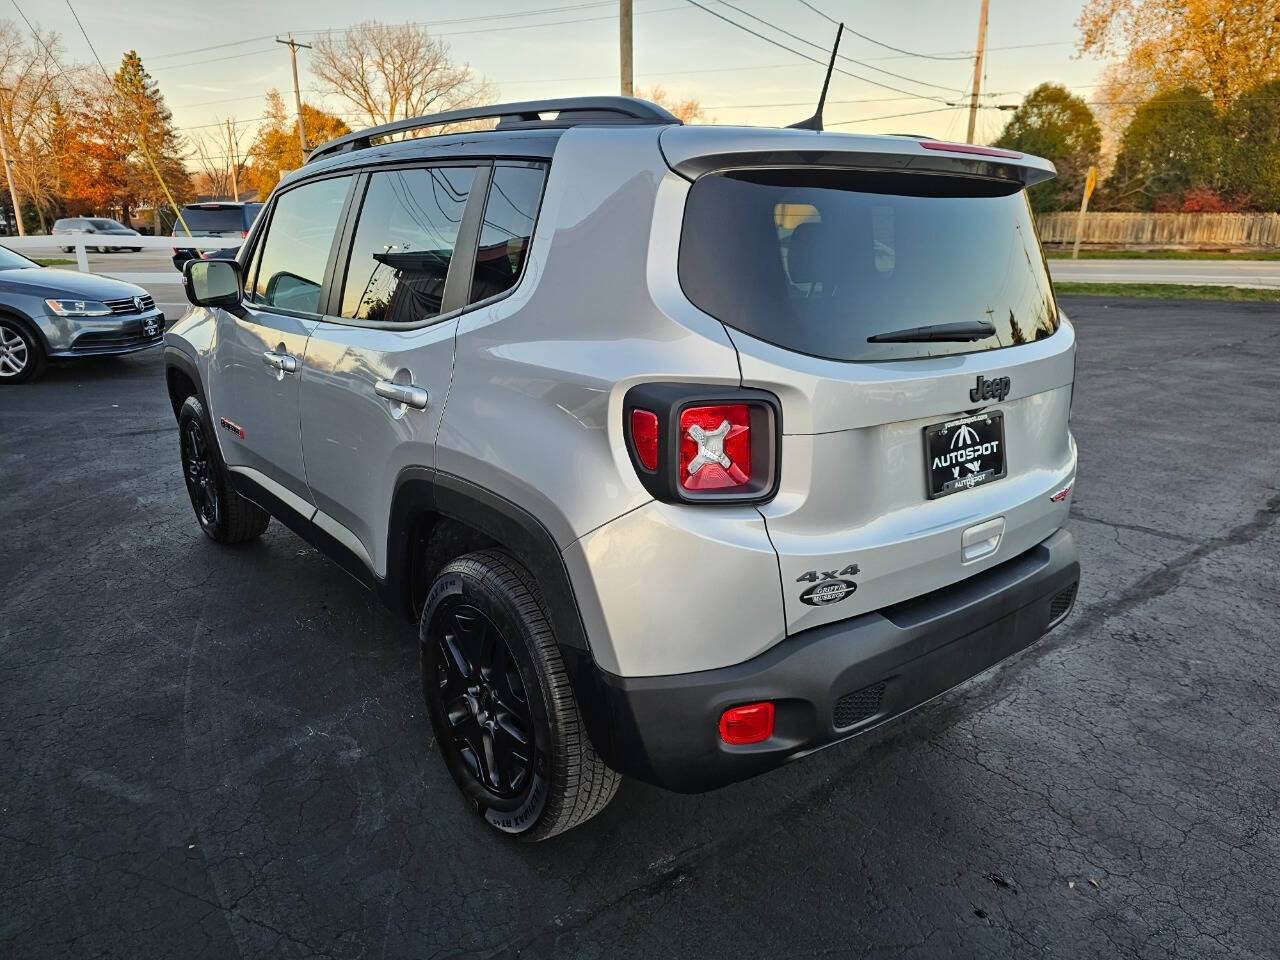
(1169, 291)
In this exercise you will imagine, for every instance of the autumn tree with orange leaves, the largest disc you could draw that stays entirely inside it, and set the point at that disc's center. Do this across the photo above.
(1223, 47)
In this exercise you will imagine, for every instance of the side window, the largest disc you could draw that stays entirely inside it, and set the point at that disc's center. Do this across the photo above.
(509, 214)
(296, 249)
(404, 243)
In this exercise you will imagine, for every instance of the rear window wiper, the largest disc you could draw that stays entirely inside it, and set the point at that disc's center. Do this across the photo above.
(953, 332)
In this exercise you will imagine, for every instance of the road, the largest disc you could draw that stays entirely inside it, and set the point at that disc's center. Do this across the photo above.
(1229, 273)
(213, 752)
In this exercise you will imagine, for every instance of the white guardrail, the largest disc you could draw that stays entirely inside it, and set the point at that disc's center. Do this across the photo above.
(80, 242)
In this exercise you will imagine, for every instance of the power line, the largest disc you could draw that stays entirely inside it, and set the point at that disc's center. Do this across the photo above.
(456, 33)
(890, 116)
(767, 23)
(923, 56)
(429, 23)
(766, 39)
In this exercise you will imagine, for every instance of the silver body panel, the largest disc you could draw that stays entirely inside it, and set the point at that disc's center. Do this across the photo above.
(526, 401)
(259, 399)
(355, 442)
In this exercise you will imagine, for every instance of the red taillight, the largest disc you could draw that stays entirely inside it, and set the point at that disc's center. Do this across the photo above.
(969, 148)
(644, 437)
(748, 723)
(715, 447)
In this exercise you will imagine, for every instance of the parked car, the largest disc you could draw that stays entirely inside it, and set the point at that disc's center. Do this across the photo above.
(685, 447)
(213, 219)
(102, 226)
(49, 314)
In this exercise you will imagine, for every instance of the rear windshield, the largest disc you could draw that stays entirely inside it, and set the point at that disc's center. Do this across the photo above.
(817, 261)
(215, 219)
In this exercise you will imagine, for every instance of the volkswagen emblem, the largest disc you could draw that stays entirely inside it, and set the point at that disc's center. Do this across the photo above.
(137, 304)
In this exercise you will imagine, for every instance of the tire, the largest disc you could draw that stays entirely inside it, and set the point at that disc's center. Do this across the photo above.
(68, 249)
(135, 249)
(501, 703)
(224, 515)
(22, 356)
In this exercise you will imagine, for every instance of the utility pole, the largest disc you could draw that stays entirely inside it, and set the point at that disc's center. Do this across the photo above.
(8, 172)
(293, 46)
(624, 46)
(235, 162)
(977, 71)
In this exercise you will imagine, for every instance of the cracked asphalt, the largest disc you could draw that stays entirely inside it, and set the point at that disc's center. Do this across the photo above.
(217, 753)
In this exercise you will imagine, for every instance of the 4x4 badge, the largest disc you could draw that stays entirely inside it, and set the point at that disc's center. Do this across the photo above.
(813, 576)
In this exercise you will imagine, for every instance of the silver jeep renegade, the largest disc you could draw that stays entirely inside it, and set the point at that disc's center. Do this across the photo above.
(691, 450)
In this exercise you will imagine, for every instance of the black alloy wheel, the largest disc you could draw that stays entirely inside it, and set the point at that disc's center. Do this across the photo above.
(197, 469)
(485, 706)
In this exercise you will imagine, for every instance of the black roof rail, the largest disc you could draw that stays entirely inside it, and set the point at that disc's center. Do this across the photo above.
(526, 114)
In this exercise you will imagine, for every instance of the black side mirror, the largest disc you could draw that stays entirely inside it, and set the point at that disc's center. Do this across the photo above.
(213, 283)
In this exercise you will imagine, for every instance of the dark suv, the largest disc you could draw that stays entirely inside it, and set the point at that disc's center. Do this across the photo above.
(214, 219)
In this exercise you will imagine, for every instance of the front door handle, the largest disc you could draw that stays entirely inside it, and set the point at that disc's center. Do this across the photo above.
(407, 394)
(280, 361)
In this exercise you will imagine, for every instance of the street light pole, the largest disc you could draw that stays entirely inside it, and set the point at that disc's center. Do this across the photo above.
(977, 71)
(235, 162)
(293, 46)
(624, 46)
(8, 172)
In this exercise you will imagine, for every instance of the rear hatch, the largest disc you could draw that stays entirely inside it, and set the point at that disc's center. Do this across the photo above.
(213, 220)
(895, 298)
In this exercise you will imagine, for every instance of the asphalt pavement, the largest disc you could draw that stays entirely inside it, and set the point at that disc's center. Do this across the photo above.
(1228, 273)
(211, 752)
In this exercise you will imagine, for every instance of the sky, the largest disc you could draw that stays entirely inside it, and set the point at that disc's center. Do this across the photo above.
(215, 61)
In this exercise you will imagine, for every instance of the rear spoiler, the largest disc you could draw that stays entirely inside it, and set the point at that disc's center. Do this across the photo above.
(696, 151)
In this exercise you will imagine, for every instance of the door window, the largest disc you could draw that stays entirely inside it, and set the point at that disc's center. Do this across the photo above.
(404, 243)
(296, 249)
(509, 214)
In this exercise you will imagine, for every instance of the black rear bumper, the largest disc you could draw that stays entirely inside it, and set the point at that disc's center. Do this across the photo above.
(829, 683)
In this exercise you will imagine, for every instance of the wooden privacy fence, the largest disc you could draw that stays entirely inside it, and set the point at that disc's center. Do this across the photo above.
(1164, 229)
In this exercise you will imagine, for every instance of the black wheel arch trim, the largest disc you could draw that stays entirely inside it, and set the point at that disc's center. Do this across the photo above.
(175, 359)
(507, 523)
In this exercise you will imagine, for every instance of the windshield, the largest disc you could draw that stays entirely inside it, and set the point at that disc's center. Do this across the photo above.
(14, 261)
(817, 261)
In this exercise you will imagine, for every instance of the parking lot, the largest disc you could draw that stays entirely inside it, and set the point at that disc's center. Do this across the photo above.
(212, 752)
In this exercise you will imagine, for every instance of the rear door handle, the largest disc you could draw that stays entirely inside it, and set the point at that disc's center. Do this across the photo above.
(280, 361)
(407, 394)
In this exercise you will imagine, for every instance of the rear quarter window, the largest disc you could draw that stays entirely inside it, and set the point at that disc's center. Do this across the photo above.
(817, 261)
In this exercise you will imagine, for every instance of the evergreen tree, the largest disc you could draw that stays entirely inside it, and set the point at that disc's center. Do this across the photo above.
(146, 127)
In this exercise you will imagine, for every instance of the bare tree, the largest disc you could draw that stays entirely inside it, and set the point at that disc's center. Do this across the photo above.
(688, 110)
(221, 159)
(390, 71)
(30, 109)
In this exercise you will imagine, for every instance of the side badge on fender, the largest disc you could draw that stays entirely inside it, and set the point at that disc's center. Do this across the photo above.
(828, 585)
(827, 592)
(233, 427)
